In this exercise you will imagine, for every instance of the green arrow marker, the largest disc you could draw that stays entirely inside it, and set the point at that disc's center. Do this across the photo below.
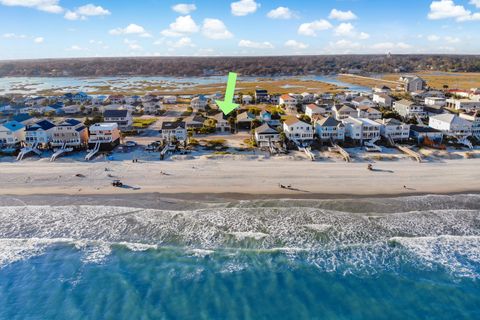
(227, 105)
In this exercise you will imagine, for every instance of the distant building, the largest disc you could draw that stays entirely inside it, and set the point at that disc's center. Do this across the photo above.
(435, 101)
(289, 102)
(382, 99)
(412, 83)
(463, 104)
(261, 96)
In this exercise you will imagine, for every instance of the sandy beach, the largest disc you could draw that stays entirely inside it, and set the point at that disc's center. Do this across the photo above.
(240, 177)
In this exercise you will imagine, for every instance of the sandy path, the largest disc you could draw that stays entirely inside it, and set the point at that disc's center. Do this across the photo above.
(241, 176)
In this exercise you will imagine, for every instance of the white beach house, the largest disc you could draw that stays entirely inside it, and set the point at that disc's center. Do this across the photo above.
(289, 102)
(344, 112)
(394, 129)
(105, 135)
(297, 131)
(11, 133)
(122, 117)
(361, 129)
(40, 133)
(451, 124)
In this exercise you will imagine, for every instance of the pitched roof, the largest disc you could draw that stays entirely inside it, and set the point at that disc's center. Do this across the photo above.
(170, 125)
(266, 129)
(43, 124)
(115, 113)
(329, 122)
(22, 117)
(13, 125)
(292, 120)
(69, 122)
(246, 116)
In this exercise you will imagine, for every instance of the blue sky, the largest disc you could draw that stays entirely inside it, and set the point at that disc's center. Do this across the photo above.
(90, 28)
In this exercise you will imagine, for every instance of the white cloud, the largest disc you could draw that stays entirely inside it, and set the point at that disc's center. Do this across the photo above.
(181, 43)
(433, 38)
(51, 6)
(345, 29)
(255, 45)
(345, 44)
(13, 36)
(215, 29)
(391, 46)
(244, 7)
(311, 28)
(281, 13)
(132, 45)
(182, 25)
(133, 29)
(363, 36)
(88, 10)
(476, 3)
(342, 15)
(452, 39)
(39, 40)
(447, 9)
(184, 8)
(75, 48)
(296, 45)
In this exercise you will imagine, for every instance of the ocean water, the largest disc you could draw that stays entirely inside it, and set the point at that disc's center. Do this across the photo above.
(397, 258)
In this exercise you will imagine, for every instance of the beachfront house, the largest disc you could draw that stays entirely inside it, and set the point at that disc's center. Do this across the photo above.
(463, 104)
(435, 101)
(423, 133)
(106, 135)
(382, 99)
(221, 124)
(361, 129)
(330, 129)
(412, 83)
(312, 110)
(11, 133)
(297, 131)
(266, 135)
(199, 103)
(344, 112)
(122, 117)
(369, 113)
(289, 103)
(69, 133)
(394, 129)
(40, 133)
(175, 130)
(474, 118)
(408, 109)
(451, 124)
(261, 95)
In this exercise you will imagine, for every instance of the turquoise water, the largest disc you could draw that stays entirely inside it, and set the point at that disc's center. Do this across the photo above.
(402, 258)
